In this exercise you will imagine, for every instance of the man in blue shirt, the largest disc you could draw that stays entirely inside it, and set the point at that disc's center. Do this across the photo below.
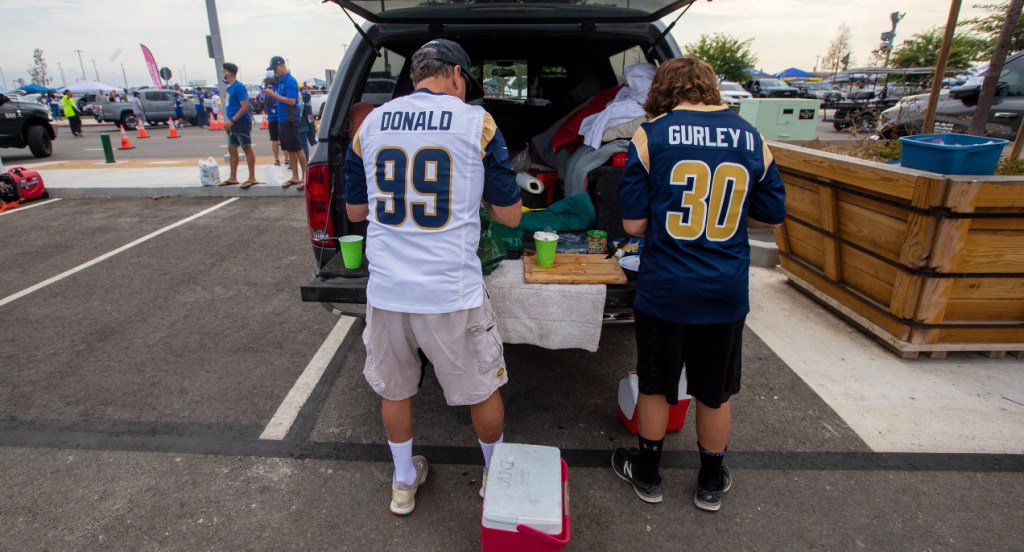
(697, 176)
(238, 125)
(287, 96)
(270, 114)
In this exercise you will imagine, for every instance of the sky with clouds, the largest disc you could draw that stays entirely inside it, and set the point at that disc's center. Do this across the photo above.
(311, 35)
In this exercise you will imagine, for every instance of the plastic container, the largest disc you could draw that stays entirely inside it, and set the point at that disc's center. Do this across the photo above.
(629, 389)
(527, 500)
(951, 153)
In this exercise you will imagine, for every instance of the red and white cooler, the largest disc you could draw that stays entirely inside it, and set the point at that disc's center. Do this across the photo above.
(526, 507)
(629, 389)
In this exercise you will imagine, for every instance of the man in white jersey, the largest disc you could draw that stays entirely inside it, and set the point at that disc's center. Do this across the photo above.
(417, 169)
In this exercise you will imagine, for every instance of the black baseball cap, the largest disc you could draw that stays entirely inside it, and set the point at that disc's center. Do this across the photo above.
(274, 62)
(450, 52)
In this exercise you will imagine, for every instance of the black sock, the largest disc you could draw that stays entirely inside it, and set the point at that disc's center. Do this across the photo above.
(710, 476)
(650, 460)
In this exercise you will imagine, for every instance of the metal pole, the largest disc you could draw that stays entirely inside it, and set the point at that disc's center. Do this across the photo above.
(3, 77)
(64, 82)
(184, 75)
(95, 70)
(940, 68)
(218, 48)
(125, 79)
(82, 65)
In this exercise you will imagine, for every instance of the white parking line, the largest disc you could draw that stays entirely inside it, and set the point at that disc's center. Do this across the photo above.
(101, 258)
(286, 414)
(29, 206)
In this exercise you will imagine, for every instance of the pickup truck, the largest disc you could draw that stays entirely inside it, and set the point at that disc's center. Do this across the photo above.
(157, 105)
(567, 73)
(25, 123)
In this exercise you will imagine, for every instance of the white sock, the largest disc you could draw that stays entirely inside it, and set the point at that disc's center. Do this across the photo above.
(488, 449)
(401, 453)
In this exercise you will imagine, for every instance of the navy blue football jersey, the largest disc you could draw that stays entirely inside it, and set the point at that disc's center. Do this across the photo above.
(696, 173)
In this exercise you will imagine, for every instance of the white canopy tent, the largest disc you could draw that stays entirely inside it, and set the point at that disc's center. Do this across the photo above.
(91, 87)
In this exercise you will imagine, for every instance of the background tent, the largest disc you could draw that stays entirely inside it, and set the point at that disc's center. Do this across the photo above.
(794, 73)
(34, 89)
(757, 73)
(91, 87)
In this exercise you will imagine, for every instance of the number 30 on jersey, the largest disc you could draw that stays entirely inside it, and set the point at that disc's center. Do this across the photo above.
(712, 202)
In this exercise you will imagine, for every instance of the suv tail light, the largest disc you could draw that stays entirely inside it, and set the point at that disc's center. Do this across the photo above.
(318, 204)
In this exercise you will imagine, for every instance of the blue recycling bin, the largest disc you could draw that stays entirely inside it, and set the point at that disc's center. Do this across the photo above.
(948, 153)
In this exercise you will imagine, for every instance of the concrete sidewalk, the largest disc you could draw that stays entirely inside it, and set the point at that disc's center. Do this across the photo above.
(148, 178)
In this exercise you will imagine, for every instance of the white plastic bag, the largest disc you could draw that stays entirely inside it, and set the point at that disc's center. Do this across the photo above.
(209, 172)
(272, 175)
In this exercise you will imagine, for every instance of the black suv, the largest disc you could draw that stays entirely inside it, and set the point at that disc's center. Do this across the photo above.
(26, 124)
(561, 53)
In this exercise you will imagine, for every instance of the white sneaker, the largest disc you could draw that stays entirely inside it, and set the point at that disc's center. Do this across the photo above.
(483, 484)
(403, 497)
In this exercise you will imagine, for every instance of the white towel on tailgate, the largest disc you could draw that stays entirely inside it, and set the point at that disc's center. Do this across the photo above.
(553, 316)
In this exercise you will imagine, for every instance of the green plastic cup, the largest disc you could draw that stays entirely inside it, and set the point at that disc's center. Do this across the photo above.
(546, 252)
(352, 251)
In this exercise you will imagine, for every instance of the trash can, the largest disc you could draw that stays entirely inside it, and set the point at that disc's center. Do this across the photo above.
(948, 153)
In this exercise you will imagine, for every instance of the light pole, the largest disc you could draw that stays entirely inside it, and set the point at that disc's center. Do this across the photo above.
(3, 77)
(816, 58)
(125, 79)
(82, 65)
(184, 75)
(95, 70)
(217, 49)
(64, 82)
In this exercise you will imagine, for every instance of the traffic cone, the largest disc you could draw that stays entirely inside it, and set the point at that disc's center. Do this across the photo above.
(142, 131)
(173, 128)
(125, 144)
(264, 125)
(213, 125)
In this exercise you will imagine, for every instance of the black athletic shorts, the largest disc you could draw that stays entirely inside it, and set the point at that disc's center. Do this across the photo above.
(288, 133)
(711, 354)
(272, 127)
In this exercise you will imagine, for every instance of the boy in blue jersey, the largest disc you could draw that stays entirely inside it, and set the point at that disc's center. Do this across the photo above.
(238, 125)
(697, 176)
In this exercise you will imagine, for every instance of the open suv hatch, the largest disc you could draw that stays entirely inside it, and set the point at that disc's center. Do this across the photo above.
(561, 55)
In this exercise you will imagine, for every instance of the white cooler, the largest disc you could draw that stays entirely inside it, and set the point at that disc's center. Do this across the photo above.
(525, 487)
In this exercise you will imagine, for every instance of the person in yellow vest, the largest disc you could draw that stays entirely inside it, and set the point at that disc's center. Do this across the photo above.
(71, 112)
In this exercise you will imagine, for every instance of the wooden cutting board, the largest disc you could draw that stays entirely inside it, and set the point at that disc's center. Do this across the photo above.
(574, 268)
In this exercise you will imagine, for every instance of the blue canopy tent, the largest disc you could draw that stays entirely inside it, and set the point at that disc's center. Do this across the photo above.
(34, 89)
(794, 73)
(757, 73)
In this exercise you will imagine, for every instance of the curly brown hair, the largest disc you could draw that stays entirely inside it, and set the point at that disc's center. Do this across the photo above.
(679, 80)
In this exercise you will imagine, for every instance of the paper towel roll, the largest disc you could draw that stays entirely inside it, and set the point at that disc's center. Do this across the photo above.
(529, 183)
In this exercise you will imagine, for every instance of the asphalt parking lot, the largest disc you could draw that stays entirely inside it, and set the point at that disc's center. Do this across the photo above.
(136, 388)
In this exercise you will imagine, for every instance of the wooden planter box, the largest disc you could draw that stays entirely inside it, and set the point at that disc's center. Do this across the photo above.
(923, 261)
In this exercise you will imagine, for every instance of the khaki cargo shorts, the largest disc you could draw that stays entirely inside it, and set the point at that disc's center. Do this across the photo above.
(464, 347)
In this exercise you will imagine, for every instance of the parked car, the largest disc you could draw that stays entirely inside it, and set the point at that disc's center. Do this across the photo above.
(957, 106)
(863, 110)
(732, 93)
(771, 88)
(157, 105)
(824, 92)
(26, 124)
(563, 74)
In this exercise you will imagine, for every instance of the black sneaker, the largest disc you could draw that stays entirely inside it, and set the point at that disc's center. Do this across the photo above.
(624, 463)
(711, 501)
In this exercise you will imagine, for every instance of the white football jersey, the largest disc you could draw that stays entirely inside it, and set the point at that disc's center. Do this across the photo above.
(423, 159)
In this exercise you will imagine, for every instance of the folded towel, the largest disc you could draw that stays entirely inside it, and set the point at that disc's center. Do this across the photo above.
(552, 316)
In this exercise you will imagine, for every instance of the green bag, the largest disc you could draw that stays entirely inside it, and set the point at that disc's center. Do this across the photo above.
(491, 251)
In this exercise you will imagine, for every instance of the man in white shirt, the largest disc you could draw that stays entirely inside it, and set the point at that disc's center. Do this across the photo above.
(417, 169)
